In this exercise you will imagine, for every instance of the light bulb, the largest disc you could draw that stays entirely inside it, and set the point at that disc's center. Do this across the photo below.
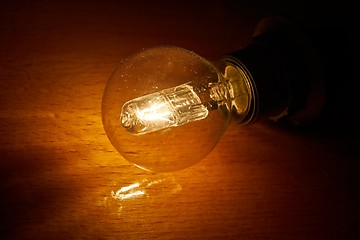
(165, 108)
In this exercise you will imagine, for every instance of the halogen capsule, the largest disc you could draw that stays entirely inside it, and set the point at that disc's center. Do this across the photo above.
(161, 110)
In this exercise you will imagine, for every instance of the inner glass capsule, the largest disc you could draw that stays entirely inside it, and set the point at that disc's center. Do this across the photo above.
(164, 109)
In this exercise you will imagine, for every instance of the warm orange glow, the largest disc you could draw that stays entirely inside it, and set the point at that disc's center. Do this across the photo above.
(59, 172)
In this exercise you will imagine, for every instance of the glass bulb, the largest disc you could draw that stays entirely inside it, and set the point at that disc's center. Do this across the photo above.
(165, 108)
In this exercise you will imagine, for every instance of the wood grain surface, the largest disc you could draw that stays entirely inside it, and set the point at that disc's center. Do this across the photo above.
(60, 178)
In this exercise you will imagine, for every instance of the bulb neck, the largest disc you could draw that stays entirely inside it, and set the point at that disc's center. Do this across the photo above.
(282, 68)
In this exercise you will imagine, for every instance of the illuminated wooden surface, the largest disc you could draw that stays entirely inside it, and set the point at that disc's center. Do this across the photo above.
(58, 169)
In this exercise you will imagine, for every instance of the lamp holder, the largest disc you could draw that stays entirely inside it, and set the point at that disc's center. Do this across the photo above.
(286, 71)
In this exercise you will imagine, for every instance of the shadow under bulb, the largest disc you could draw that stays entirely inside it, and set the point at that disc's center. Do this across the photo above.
(165, 108)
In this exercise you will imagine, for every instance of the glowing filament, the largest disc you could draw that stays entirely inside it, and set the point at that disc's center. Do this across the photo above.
(164, 109)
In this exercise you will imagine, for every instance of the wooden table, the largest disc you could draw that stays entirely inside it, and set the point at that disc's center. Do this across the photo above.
(62, 179)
